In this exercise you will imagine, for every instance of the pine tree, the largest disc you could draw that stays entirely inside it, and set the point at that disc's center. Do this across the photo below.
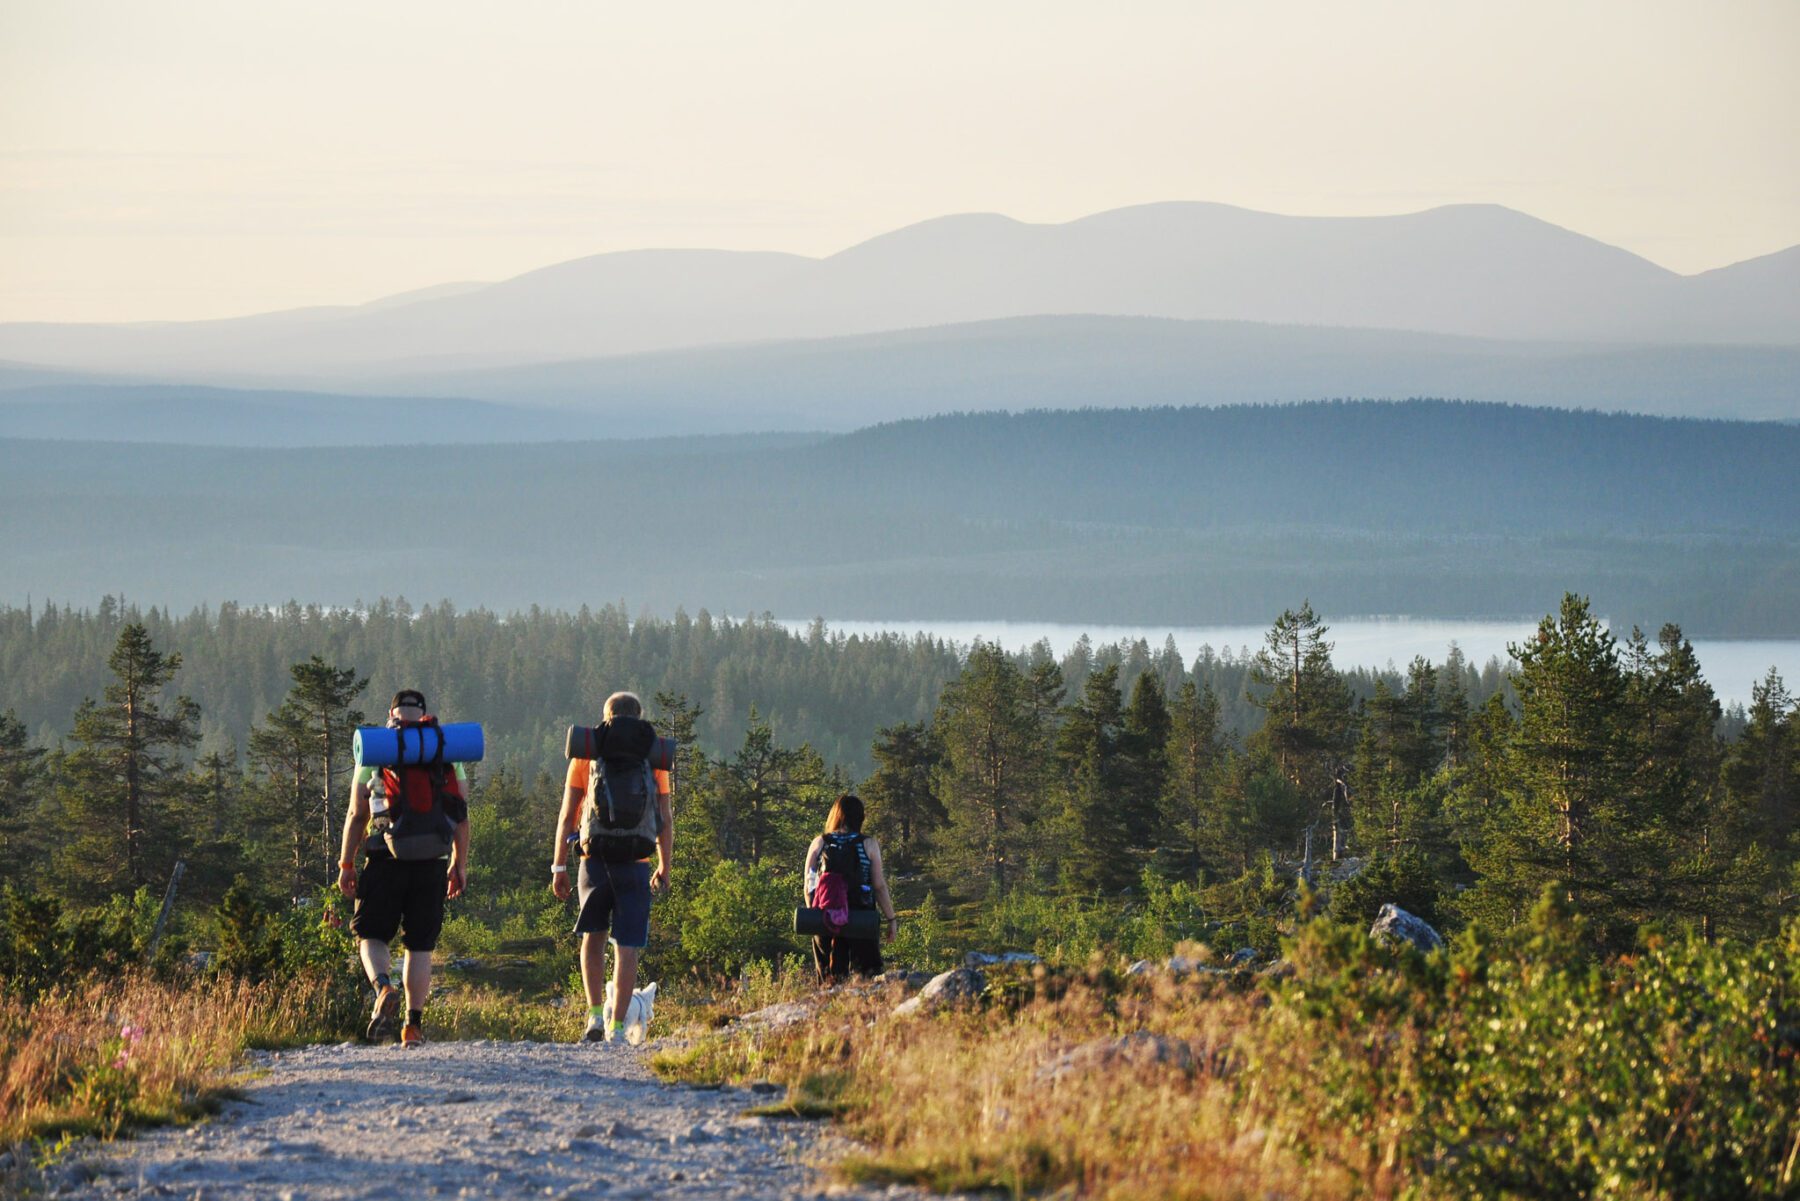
(1762, 781)
(123, 777)
(988, 719)
(21, 781)
(1193, 800)
(1564, 818)
(903, 809)
(1144, 758)
(284, 751)
(1094, 828)
(1308, 731)
(1397, 754)
(771, 798)
(321, 695)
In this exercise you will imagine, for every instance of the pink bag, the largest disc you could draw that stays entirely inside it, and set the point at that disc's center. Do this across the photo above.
(833, 896)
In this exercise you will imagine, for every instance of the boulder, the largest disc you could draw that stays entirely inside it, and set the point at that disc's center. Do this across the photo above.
(901, 978)
(1142, 967)
(958, 986)
(1395, 926)
(777, 1016)
(1140, 1050)
(976, 959)
(1242, 957)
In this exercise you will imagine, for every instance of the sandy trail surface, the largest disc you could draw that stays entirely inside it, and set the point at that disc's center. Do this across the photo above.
(471, 1119)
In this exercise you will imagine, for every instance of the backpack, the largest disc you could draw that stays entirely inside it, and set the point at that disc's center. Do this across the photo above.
(620, 819)
(418, 827)
(844, 864)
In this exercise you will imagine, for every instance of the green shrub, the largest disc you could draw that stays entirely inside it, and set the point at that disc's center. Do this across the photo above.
(1404, 879)
(42, 944)
(740, 913)
(1518, 1065)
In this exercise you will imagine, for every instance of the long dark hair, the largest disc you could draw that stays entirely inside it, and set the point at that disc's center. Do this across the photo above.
(846, 815)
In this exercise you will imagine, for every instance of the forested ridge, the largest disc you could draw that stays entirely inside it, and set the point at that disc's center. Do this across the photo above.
(1146, 516)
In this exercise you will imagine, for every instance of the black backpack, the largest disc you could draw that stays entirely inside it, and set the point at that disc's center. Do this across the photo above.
(620, 822)
(846, 855)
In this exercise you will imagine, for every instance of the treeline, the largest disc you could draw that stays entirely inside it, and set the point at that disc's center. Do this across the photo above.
(527, 675)
(995, 777)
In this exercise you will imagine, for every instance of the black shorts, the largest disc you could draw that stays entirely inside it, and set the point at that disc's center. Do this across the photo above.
(391, 893)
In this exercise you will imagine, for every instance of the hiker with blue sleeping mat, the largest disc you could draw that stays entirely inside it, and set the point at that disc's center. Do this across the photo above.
(617, 811)
(409, 815)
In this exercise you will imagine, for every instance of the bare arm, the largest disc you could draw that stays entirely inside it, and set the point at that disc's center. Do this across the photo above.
(356, 825)
(459, 861)
(665, 839)
(559, 854)
(882, 899)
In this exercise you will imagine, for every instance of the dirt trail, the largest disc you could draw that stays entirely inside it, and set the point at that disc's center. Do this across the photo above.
(470, 1120)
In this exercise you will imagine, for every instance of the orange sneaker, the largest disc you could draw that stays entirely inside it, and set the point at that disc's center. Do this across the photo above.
(387, 1011)
(411, 1036)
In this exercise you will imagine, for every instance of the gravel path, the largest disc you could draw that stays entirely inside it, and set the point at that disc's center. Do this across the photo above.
(470, 1120)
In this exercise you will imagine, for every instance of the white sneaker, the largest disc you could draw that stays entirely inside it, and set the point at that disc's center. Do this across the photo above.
(596, 1031)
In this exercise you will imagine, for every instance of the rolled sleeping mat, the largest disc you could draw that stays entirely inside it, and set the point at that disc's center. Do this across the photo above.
(863, 923)
(584, 742)
(382, 746)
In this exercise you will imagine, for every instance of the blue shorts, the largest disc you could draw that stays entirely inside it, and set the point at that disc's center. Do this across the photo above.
(615, 895)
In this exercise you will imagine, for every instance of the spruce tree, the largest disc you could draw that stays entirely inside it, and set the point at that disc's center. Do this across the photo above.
(904, 811)
(21, 781)
(321, 694)
(1308, 732)
(283, 749)
(1094, 827)
(1194, 814)
(123, 778)
(990, 723)
(1564, 818)
(1144, 758)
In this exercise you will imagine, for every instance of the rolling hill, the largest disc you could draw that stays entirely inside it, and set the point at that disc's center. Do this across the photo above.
(1181, 516)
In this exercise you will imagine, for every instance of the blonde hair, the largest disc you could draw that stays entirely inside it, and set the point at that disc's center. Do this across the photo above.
(622, 704)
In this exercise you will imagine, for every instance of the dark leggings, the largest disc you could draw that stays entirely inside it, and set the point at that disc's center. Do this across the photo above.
(837, 957)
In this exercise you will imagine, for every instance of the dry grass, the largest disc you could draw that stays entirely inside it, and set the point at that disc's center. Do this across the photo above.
(107, 1054)
(970, 1100)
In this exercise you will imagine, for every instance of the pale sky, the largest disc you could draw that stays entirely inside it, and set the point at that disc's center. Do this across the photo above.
(176, 159)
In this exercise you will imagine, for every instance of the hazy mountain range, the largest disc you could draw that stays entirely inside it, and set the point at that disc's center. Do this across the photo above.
(1167, 303)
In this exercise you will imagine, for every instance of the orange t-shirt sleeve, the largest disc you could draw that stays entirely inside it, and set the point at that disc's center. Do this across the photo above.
(578, 777)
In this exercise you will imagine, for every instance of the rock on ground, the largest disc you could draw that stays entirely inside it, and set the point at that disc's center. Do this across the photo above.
(1141, 1050)
(958, 986)
(1395, 925)
(508, 1120)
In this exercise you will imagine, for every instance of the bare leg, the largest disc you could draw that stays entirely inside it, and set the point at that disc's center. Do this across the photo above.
(377, 960)
(418, 978)
(593, 968)
(625, 963)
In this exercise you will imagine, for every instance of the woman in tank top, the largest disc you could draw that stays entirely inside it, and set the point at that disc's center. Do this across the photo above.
(845, 849)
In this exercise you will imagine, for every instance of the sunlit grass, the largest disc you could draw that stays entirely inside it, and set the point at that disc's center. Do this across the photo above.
(104, 1055)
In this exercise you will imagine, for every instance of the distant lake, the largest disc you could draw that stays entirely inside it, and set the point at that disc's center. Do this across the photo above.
(1731, 665)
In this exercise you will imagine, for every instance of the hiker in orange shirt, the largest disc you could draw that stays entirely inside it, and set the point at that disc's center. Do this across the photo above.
(615, 879)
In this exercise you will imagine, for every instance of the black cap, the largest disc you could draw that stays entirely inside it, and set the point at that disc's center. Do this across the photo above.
(408, 696)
